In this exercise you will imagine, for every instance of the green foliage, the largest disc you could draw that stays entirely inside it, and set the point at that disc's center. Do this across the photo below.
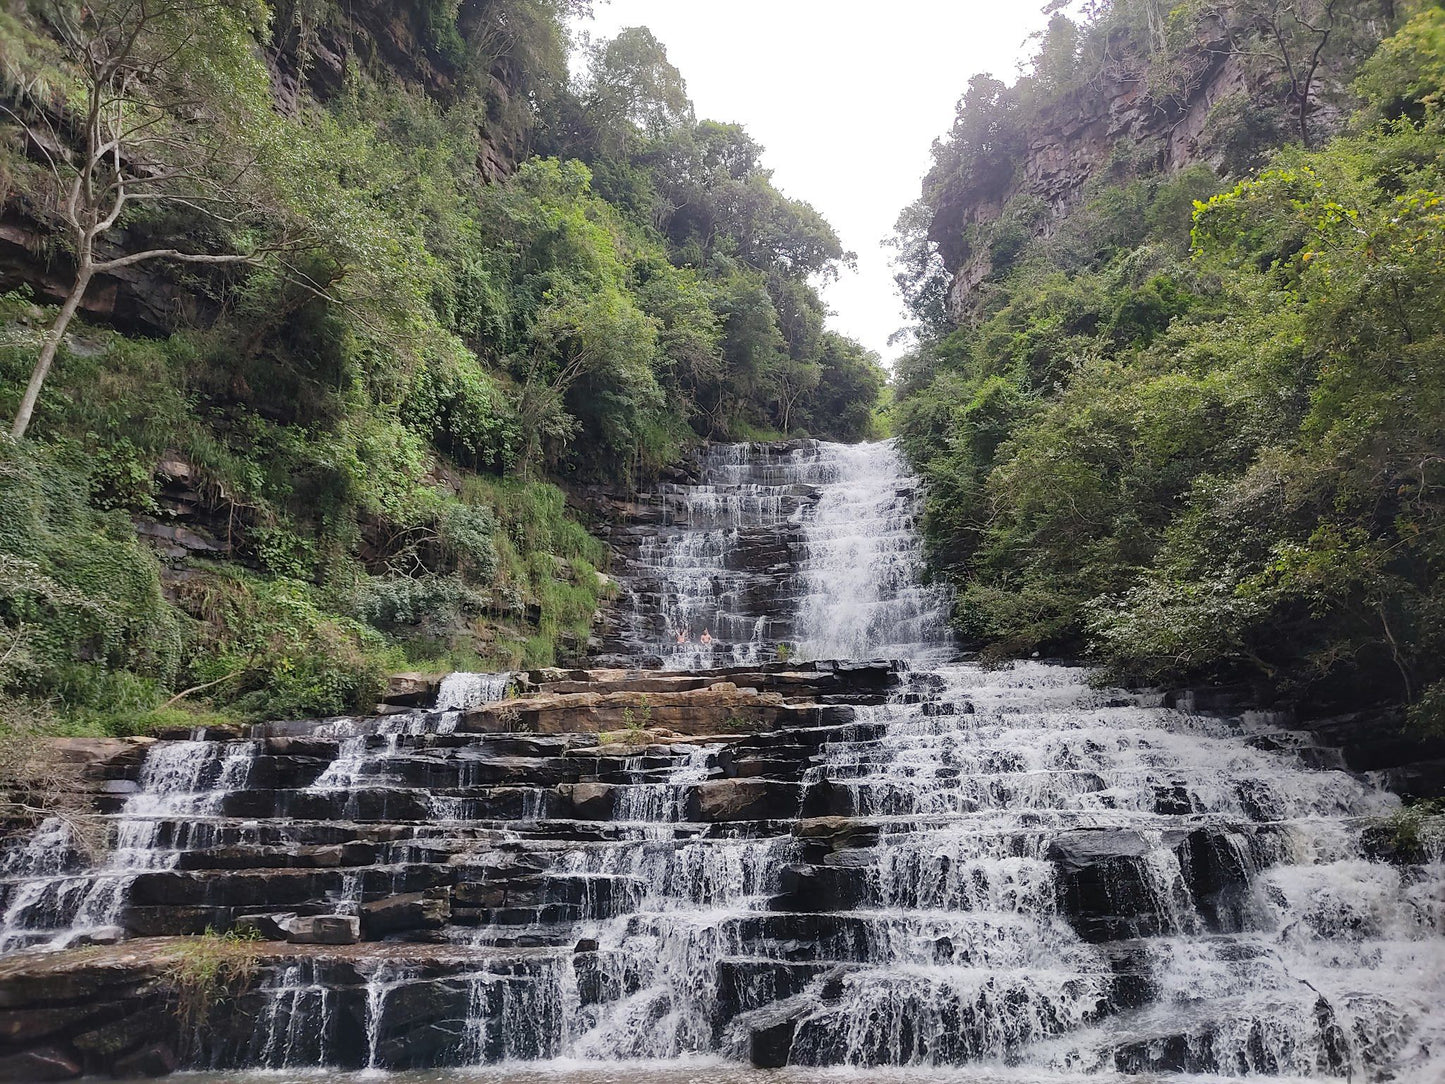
(81, 605)
(206, 971)
(356, 435)
(1219, 460)
(280, 651)
(720, 262)
(1406, 75)
(1415, 833)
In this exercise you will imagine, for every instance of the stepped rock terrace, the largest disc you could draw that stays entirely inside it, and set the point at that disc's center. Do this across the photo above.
(915, 863)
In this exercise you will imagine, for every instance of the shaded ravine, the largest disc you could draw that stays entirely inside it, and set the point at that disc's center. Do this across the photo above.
(982, 874)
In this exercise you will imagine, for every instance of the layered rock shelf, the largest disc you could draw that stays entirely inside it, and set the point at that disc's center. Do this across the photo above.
(755, 870)
(439, 855)
(785, 861)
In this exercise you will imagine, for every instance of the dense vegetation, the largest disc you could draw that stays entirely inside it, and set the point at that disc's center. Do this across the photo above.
(366, 415)
(1197, 429)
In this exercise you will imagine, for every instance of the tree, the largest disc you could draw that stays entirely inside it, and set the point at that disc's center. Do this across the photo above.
(1302, 40)
(630, 96)
(157, 79)
(632, 83)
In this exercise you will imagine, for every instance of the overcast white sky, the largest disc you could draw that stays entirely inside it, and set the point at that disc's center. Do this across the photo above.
(846, 96)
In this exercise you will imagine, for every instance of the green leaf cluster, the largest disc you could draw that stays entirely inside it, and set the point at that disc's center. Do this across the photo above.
(1197, 432)
(370, 425)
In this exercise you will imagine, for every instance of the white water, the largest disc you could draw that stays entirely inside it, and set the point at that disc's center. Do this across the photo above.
(368, 744)
(1320, 962)
(53, 899)
(862, 597)
(963, 940)
(840, 517)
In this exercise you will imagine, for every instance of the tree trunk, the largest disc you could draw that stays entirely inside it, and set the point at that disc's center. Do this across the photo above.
(53, 340)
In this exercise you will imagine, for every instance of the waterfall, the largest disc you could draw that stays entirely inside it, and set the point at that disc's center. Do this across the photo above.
(862, 563)
(54, 899)
(369, 748)
(1047, 874)
(1003, 874)
(810, 546)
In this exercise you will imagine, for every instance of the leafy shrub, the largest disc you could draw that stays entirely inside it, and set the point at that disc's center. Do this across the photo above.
(281, 651)
(80, 598)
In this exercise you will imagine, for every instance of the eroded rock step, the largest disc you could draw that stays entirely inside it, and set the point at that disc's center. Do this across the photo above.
(971, 870)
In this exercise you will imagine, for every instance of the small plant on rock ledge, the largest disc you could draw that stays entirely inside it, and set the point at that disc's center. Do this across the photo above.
(1413, 834)
(207, 971)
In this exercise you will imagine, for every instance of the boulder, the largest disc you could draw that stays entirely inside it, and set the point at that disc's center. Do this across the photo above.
(411, 690)
(770, 1035)
(101, 935)
(769, 1047)
(323, 930)
(1217, 867)
(42, 1064)
(590, 801)
(429, 910)
(151, 1060)
(1106, 887)
(272, 927)
(746, 800)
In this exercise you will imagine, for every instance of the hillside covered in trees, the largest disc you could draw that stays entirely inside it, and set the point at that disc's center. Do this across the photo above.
(1178, 390)
(356, 286)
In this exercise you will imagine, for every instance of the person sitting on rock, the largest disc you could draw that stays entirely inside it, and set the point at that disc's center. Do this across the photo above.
(681, 636)
(705, 639)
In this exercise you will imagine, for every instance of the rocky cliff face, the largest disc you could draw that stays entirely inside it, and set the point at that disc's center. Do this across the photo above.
(1207, 102)
(389, 42)
(396, 41)
(1110, 127)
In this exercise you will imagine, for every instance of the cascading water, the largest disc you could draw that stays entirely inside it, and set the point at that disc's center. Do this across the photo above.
(812, 547)
(53, 898)
(1043, 873)
(1007, 871)
(862, 564)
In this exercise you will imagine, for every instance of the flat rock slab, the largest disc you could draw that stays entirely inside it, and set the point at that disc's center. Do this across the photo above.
(721, 706)
(60, 976)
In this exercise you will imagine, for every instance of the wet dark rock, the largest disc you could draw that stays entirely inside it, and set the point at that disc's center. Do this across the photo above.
(41, 1064)
(746, 800)
(1104, 885)
(411, 911)
(323, 930)
(771, 1044)
(820, 888)
(1216, 866)
(590, 801)
(152, 1060)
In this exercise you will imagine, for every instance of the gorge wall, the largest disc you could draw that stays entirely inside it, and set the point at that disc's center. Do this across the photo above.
(312, 53)
(1113, 126)
(1136, 92)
